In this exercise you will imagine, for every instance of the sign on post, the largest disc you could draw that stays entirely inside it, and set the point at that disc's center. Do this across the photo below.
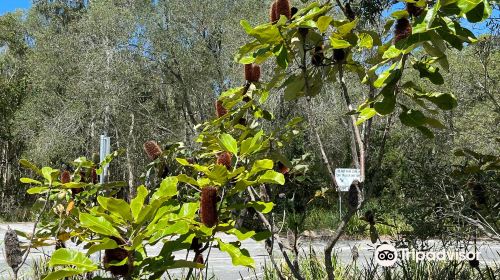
(345, 176)
(104, 150)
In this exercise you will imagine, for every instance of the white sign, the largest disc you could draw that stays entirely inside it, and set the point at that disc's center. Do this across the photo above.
(104, 151)
(345, 176)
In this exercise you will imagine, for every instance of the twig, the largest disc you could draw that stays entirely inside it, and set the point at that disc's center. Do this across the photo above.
(33, 231)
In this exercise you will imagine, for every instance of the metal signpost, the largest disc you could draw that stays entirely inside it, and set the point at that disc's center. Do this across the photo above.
(104, 150)
(344, 178)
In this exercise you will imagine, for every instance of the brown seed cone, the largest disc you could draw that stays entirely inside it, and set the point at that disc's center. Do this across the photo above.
(354, 195)
(273, 14)
(317, 56)
(208, 206)
(283, 169)
(255, 73)
(402, 30)
(65, 177)
(13, 253)
(152, 149)
(248, 72)
(294, 11)
(339, 55)
(224, 158)
(118, 255)
(413, 9)
(198, 258)
(478, 192)
(283, 8)
(219, 109)
(94, 176)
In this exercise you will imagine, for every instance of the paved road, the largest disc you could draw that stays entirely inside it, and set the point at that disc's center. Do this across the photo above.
(220, 263)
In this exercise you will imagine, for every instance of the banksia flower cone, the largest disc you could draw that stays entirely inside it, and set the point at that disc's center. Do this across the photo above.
(198, 258)
(118, 255)
(225, 158)
(273, 14)
(283, 8)
(219, 109)
(152, 149)
(354, 195)
(248, 72)
(413, 9)
(65, 177)
(402, 29)
(255, 73)
(13, 254)
(208, 206)
(283, 169)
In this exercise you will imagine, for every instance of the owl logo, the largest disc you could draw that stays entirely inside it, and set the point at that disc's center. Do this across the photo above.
(386, 255)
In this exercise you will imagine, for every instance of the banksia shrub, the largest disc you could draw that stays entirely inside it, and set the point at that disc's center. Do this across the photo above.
(13, 254)
(273, 13)
(152, 149)
(402, 29)
(339, 55)
(219, 109)
(117, 255)
(208, 206)
(224, 158)
(283, 8)
(413, 9)
(65, 177)
(354, 195)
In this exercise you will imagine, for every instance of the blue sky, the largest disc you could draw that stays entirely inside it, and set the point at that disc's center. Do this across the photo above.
(12, 5)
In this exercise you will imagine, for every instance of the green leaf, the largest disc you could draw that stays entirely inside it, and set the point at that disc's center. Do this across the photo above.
(282, 56)
(444, 101)
(106, 243)
(272, 177)
(228, 143)
(116, 207)
(50, 174)
(31, 166)
(266, 33)
(481, 12)
(339, 43)
(365, 40)
(238, 256)
(36, 190)
(168, 188)
(98, 225)
(400, 14)
(68, 257)
(138, 201)
(295, 88)
(467, 5)
(261, 206)
(323, 22)
(427, 132)
(430, 72)
(346, 28)
(30, 181)
(62, 274)
(366, 114)
(260, 165)
(412, 118)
